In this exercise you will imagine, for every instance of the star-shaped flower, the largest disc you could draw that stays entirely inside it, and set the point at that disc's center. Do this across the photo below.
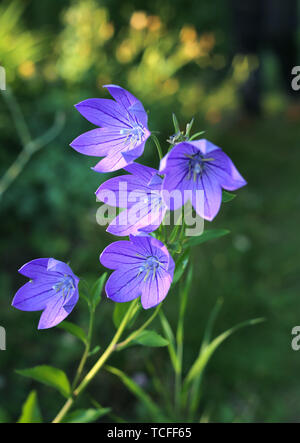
(53, 289)
(198, 170)
(123, 129)
(142, 267)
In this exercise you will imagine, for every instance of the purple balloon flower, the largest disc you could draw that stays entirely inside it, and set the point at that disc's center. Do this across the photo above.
(140, 195)
(53, 289)
(198, 168)
(123, 129)
(143, 267)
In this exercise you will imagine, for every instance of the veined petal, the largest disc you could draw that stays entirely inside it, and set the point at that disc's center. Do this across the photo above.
(98, 142)
(124, 284)
(123, 191)
(178, 157)
(154, 290)
(123, 97)
(61, 267)
(205, 146)
(112, 162)
(56, 311)
(144, 173)
(140, 215)
(138, 113)
(149, 246)
(225, 171)
(118, 254)
(132, 154)
(103, 112)
(33, 296)
(212, 197)
(35, 268)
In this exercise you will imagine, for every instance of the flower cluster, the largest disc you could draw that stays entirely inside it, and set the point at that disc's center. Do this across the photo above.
(194, 170)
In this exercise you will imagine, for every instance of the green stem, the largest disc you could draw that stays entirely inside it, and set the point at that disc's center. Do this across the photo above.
(178, 372)
(158, 147)
(97, 366)
(136, 333)
(29, 146)
(86, 351)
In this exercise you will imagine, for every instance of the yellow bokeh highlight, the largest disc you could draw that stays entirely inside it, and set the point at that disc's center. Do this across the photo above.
(139, 20)
(188, 34)
(27, 69)
(154, 23)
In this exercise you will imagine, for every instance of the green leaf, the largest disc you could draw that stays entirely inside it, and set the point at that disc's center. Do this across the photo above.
(205, 236)
(150, 338)
(196, 135)
(175, 123)
(136, 390)
(195, 390)
(208, 350)
(171, 339)
(227, 196)
(181, 265)
(50, 376)
(97, 290)
(30, 410)
(184, 296)
(74, 330)
(85, 415)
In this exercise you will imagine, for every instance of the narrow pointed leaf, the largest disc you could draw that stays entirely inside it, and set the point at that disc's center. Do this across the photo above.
(175, 123)
(181, 265)
(206, 236)
(30, 411)
(97, 290)
(86, 415)
(227, 196)
(150, 338)
(170, 337)
(207, 351)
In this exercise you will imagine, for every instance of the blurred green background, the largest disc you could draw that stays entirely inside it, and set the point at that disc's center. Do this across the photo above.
(174, 56)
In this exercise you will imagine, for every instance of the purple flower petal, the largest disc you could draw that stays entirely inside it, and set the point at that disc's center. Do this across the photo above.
(138, 112)
(212, 197)
(124, 284)
(119, 253)
(103, 112)
(154, 290)
(125, 191)
(132, 154)
(226, 173)
(123, 134)
(143, 173)
(33, 296)
(98, 142)
(56, 311)
(205, 146)
(112, 162)
(123, 97)
(144, 215)
(192, 167)
(54, 289)
(143, 267)
(61, 267)
(35, 268)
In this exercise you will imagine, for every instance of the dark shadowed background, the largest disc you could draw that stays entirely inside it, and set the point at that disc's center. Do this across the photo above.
(197, 58)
